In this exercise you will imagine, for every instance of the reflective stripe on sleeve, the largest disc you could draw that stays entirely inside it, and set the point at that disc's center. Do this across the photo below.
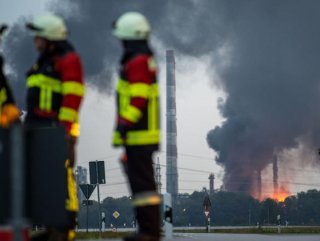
(131, 113)
(68, 114)
(73, 88)
(140, 90)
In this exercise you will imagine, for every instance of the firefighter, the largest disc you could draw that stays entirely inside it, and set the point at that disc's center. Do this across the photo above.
(55, 89)
(9, 113)
(137, 120)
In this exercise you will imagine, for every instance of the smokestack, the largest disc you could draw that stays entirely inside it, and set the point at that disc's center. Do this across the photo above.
(158, 176)
(255, 73)
(172, 173)
(211, 183)
(275, 176)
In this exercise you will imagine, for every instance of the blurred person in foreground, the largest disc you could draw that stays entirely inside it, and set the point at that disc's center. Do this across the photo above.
(137, 121)
(55, 89)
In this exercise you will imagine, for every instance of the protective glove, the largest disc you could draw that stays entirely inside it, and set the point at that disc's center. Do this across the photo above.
(10, 114)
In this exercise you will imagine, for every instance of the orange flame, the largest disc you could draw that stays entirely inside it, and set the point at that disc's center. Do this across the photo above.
(269, 192)
(281, 195)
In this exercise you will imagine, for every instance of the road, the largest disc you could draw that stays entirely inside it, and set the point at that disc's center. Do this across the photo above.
(238, 237)
(245, 237)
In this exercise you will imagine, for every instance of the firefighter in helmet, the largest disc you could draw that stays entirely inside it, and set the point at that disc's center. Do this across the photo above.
(137, 120)
(9, 112)
(55, 89)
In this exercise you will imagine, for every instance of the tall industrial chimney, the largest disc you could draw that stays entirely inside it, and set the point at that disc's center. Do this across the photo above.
(211, 184)
(172, 172)
(158, 176)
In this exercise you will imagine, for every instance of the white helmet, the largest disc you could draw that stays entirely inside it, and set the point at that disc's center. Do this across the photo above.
(50, 27)
(131, 26)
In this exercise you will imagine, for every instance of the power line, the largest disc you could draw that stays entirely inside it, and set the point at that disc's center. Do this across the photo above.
(189, 169)
(299, 169)
(192, 156)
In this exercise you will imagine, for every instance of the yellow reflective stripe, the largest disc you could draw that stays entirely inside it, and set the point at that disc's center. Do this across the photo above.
(75, 129)
(145, 137)
(47, 85)
(41, 80)
(131, 113)
(71, 235)
(137, 89)
(3, 96)
(152, 113)
(140, 90)
(153, 108)
(68, 114)
(42, 99)
(124, 99)
(151, 134)
(146, 201)
(72, 203)
(48, 98)
(122, 86)
(154, 90)
(73, 88)
(155, 113)
(150, 117)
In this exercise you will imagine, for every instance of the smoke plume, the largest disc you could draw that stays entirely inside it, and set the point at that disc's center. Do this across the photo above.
(271, 80)
(178, 25)
(272, 83)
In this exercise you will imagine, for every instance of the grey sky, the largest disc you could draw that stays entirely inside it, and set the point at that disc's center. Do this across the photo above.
(231, 41)
(12, 9)
(196, 114)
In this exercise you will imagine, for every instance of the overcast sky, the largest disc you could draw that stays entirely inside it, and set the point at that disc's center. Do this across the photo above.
(266, 68)
(196, 114)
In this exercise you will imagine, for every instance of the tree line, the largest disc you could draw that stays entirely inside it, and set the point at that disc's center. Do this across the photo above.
(227, 209)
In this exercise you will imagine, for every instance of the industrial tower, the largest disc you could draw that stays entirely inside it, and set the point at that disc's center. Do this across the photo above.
(81, 178)
(172, 171)
(158, 176)
(211, 183)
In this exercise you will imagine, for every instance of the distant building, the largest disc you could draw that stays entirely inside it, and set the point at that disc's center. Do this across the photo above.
(81, 178)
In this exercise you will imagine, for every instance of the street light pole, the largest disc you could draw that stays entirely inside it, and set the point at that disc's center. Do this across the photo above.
(87, 203)
(98, 190)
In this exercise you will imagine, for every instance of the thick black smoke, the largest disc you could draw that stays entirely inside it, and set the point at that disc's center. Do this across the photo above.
(272, 81)
(178, 24)
(273, 86)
